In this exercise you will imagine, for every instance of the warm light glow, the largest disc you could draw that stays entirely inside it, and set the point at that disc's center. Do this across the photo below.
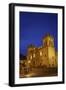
(28, 61)
(39, 62)
(30, 57)
(34, 55)
(40, 53)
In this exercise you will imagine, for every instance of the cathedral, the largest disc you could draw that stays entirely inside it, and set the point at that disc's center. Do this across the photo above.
(43, 56)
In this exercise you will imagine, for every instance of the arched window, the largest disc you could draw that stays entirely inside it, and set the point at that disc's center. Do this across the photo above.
(30, 57)
(34, 55)
(29, 61)
(40, 53)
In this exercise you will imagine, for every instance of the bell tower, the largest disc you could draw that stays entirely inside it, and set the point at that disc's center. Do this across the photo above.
(48, 44)
(48, 41)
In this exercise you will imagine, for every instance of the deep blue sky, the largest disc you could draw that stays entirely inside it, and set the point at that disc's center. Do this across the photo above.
(33, 26)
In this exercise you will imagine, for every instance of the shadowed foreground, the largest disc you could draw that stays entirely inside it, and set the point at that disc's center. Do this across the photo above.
(38, 72)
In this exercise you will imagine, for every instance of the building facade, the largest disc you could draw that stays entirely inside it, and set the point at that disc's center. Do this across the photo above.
(43, 56)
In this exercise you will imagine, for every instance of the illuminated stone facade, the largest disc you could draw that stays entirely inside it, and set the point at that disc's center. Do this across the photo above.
(44, 56)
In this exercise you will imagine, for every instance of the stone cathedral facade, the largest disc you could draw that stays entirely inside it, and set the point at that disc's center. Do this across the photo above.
(43, 56)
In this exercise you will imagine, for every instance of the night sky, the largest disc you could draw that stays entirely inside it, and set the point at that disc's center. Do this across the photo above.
(33, 26)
